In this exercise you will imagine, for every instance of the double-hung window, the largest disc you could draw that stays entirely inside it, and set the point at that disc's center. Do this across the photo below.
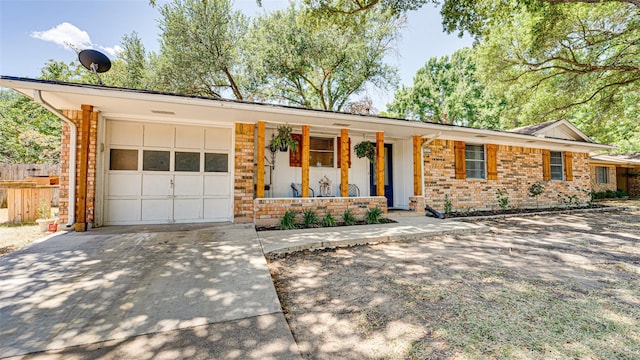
(557, 168)
(602, 174)
(475, 161)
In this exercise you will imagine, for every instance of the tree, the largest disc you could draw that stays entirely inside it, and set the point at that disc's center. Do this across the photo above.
(28, 132)
(201, 48)
(575, 61)
(320, 62)
(446, 90)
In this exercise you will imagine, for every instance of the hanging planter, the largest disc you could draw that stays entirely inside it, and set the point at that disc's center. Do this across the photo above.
(365, 149)
(283, 140)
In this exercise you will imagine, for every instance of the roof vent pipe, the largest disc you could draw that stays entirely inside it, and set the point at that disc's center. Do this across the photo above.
(37, 96)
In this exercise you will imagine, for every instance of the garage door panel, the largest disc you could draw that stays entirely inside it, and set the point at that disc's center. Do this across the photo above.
(217, 139)
(216, 185)
(156, 185)
(125, 133)
(217, 209)
(123, 211)
(187, 209)
(124, 184)
(188, 185)
(188, 137)
(157, 210)
(158, 135)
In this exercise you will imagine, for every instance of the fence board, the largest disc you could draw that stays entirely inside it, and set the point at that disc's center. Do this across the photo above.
(21, 171)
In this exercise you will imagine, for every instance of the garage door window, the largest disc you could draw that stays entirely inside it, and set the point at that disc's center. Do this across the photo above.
(187, 161)
(120, 159)
(215, 162)
(153, 160)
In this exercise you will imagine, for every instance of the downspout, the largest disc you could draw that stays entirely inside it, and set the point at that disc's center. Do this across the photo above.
(37, 96)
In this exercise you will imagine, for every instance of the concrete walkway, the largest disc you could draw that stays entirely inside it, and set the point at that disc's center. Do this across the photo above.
(143, 292)
(406, 228)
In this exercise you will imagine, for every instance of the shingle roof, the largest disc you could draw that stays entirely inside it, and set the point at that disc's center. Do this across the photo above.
(532, 129)
(630, 158)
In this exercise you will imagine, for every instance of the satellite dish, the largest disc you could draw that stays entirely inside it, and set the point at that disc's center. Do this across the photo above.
(94, 61)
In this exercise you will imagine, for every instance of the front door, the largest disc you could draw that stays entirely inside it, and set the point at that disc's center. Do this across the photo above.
(388, 176)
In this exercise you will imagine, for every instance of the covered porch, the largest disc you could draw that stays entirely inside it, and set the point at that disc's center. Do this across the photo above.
(325, 175)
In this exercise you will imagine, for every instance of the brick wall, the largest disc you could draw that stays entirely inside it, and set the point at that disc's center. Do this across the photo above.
(243, 168)
(633, 182)
(76, 117)
(611, 185)
(270, 211)
(518, 168)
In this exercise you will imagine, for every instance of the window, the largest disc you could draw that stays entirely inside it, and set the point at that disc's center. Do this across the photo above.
(214, 162)
(187, 161)
(474, 161)
(602, 174)
(155, 160)
(120, 159)
(557, 170)
(321, 152)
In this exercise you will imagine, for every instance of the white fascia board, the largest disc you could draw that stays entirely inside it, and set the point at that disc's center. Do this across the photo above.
(365, 123)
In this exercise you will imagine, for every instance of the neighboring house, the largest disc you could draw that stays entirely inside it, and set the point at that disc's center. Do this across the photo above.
(145, 157)
(612, 172)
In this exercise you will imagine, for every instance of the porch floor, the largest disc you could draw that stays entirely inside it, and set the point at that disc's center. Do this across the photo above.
(406, 228)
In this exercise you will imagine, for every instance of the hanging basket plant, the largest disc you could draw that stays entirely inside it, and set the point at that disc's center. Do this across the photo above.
(365, 149)
(283, 140)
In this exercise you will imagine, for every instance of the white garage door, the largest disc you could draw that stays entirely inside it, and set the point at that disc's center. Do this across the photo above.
(159, 173)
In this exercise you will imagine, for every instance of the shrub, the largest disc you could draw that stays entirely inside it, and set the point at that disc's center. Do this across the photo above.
(348, 217)
(535, 190)
(447, 204)
(503, 198)
(328, 220)
(288, 221)
(373, 216)
(309, 217)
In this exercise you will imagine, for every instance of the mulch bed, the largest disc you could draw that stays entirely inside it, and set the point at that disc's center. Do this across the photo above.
(517, 211)
(301, 226)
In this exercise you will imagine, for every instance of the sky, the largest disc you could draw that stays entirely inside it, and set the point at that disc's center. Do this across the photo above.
(34, 31)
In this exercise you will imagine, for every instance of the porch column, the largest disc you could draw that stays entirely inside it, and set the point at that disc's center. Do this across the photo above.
(305, 161)
(344, 162)
(260, 162)
(83, 169)
(417, 165)
(380, 163)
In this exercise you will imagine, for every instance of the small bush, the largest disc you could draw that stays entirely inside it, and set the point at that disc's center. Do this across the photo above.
(288, 221)
(328, 220)
(310, 218)
(348, 218)
(447, 204)
(609, 194)
(373, 216)
(535, 190)
(503, 198)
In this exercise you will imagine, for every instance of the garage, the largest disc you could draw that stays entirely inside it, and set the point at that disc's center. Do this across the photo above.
(160, 173)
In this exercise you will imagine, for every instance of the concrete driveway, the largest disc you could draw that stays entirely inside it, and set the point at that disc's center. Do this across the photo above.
(143, 292)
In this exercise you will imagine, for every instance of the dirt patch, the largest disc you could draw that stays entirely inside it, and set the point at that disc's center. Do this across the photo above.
(516, 211)
(555, 286)
(16, 236)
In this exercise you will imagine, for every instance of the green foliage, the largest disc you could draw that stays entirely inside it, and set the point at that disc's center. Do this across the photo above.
(283, 139)
(309, 218)
(29, 134)
(288, 221)
(536, 189)
(373, 216)
(446, 90)
(609, 194)
(301, 59)
(365, 149)
(448, 206)
(348, 217)
(328, 220)
(503, 198)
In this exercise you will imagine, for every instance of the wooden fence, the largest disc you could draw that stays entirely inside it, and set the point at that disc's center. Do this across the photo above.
(21, 171)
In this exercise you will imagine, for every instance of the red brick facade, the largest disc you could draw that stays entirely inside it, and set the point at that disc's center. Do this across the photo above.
(243, 173)
(517, 169)
(270, 211)
(76, 117)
